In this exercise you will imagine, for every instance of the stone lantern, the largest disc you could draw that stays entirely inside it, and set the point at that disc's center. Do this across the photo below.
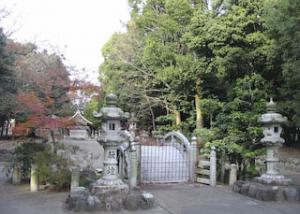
(110, 137)
(273, 141)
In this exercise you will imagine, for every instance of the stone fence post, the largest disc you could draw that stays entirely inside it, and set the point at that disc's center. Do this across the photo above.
(232, 174)
(75, 176)
(193, 158)
(16, 174)
(133, 169)
(213, 167)
(34, 182)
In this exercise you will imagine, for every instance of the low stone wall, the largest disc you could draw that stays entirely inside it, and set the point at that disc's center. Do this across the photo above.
(267, 192)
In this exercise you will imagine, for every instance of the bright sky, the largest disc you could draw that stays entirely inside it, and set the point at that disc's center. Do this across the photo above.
(76, 28)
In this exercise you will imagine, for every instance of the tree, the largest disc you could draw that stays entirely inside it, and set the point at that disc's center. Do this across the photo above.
(282, 19)
(7, 83)
(43, 84)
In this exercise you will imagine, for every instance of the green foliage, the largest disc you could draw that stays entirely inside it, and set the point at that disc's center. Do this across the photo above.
(53, 169)
(232, 57)
(92, 106)
(282, 19)
(24, 153)
(7, 81)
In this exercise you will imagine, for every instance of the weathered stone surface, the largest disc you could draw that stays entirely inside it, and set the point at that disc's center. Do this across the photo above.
(268, 194)
(132, 202)
(94, 204)
(113, 204)
(77, 199)
(291, 194)
(279, 196)
(265, 192)
(148, 201)
(252, 190)
(237, 186)
(245, 188)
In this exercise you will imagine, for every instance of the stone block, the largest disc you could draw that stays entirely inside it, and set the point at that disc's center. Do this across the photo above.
(113, 204)
(132, 202)
(291, 194)
(279, 195)
(252, 190)
(147, 201)
(237, 186)
(245, 188)
(94, 204)
(268, 194)
(77, 199)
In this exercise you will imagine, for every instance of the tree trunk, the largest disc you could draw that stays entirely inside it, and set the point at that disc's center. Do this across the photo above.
(199, 119)
(7, 127)
(177, 117)
(2, 129)
(152, 118)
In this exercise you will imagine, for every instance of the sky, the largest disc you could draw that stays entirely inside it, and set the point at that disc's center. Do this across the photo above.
(75, 28)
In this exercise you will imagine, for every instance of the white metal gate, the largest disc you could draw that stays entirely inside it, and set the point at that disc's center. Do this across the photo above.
(165, 161)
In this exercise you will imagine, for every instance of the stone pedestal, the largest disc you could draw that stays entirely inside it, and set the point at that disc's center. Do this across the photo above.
(272, 176)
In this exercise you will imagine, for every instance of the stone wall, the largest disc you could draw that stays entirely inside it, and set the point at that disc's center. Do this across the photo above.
(285, 164)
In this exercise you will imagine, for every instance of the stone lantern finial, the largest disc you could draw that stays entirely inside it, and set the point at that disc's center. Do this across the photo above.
(271, 106)
(111, 99)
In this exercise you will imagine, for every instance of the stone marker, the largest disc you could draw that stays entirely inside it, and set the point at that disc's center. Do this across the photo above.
(233, 174)
(34, 183)
(75, 175)
(213, 167)
(16, 175)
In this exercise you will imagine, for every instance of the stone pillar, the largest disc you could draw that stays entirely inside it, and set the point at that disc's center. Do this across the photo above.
(272, 159)
(110, 162)
(193, 158)
(34, 182)
(232, 174)
(16, 174)
(213, 167)
(75, 176)
(133, 171)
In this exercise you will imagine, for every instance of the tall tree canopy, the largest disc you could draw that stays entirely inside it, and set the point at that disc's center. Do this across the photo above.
(185, 64)
(7, 81)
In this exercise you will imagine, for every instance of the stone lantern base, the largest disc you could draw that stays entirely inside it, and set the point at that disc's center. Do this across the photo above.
(270, 179)
(265, 192)
(108, 195)
(108, 199)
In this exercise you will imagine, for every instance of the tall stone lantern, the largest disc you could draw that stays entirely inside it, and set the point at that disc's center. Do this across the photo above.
(273, 141)
(110, 137)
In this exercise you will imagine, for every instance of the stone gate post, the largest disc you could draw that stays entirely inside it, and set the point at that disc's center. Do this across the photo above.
(213, 167)
(193, 158)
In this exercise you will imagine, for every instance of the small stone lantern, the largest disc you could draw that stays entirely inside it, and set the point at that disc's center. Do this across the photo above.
(110, 137)
(273, 141)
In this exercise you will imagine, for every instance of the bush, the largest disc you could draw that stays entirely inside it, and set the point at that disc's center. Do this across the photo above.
(53, 169)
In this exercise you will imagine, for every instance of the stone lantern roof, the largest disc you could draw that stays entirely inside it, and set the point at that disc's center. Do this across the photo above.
(111, 112)
(271, 117)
